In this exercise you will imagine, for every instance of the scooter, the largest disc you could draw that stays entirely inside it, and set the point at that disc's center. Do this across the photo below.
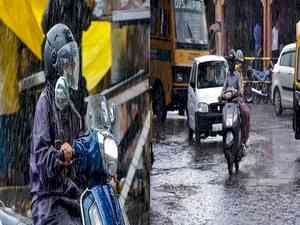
(232, 144)
(96, 157)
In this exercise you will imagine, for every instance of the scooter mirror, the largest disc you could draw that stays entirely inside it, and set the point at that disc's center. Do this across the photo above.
(113, 113)
(111, 156)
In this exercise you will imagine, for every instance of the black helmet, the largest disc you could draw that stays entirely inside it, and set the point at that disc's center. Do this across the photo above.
(61, 55)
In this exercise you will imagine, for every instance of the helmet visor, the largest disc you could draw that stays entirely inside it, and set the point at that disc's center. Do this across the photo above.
(68, 57)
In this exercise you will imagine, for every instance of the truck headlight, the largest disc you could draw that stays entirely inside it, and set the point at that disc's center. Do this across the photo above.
(110, 156)
(203, 107)
(179, 77)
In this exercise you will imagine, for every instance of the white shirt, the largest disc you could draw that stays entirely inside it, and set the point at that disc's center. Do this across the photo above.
(274, 39)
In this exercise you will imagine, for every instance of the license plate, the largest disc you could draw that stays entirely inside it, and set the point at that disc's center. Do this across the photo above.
(217, 127)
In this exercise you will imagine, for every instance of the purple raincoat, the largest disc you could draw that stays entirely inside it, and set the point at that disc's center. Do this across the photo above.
(55, 196)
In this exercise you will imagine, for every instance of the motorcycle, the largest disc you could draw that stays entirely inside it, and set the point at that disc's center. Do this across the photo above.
(232, 128)
(258, 85)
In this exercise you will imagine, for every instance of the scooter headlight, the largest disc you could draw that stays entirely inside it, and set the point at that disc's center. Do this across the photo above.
(229, 138)
(203, 107)
(229, 121)
(231, 117)
(110, 156)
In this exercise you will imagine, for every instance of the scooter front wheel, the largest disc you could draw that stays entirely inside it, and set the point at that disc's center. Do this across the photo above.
(191, 133)
(237, 166)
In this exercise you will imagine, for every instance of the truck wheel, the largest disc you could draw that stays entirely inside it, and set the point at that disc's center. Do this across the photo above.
(159, 107)
(277, 103)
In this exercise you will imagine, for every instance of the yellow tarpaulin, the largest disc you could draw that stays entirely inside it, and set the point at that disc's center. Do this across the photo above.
(24, 17)
(9, 100)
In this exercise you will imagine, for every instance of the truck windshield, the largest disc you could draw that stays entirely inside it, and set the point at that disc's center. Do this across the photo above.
(211, 74)
(191, 26)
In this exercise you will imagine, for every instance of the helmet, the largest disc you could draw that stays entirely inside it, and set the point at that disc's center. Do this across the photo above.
(232, 55)
(231, 60)
(239, 55)
(61, 56)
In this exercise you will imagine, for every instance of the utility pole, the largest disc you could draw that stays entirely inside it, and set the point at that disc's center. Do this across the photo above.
(219, 19)
(267, 29)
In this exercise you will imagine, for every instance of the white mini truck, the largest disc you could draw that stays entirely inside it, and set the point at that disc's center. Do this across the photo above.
(206, 83)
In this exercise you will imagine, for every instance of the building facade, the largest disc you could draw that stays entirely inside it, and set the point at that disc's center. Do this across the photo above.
(238, 18)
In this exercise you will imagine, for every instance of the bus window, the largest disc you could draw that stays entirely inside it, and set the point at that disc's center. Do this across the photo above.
(191, 26)
(160, 23)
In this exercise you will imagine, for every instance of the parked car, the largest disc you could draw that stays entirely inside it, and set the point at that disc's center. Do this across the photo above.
(204, 109)
(282, 80)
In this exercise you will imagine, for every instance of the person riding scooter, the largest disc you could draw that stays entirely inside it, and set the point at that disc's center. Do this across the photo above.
(55, 192)
(233, 81)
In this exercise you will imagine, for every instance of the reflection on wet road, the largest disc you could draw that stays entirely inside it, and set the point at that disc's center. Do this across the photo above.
(190, 183)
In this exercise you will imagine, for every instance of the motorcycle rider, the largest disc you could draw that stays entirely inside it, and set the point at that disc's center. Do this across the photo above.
(239, 67)
(233, 80)
(55, 195)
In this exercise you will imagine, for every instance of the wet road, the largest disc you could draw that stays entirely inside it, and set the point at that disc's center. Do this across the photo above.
(190, 183)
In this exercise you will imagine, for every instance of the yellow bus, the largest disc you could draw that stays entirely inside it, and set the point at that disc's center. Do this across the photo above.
(296, 97)
(178, 35)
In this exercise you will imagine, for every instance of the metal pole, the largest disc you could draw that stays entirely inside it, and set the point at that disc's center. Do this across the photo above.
(219, 18)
